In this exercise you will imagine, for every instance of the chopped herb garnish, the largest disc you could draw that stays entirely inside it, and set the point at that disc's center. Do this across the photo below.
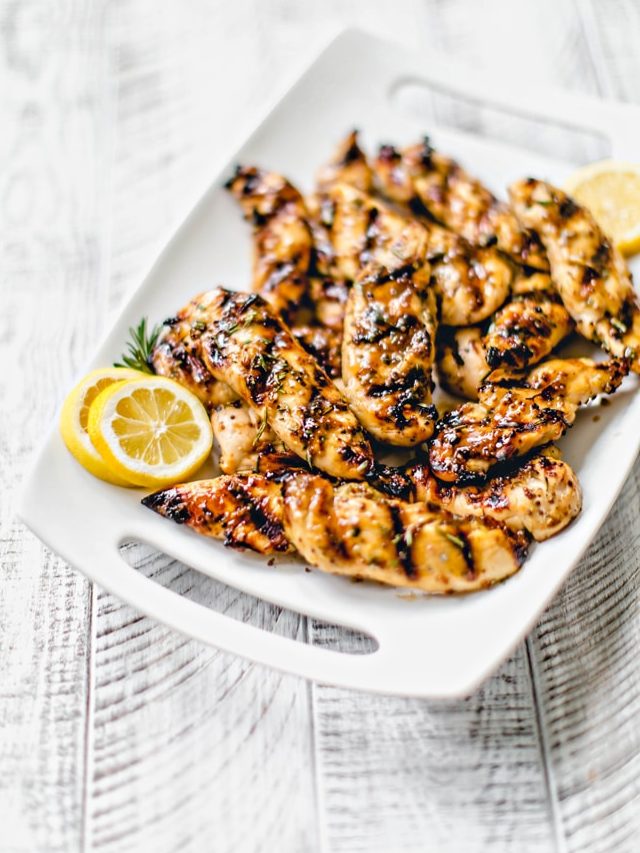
(543, 202)
(251, 316)
(457, 541)
(140, 347)
(262, 358)
(406, 537)
(279, 373)
(619, 325)
(400, 252)
(261, 428)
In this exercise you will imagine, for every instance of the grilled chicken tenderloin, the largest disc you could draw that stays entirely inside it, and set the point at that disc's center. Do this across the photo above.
(590, 274)
(428, 181)
(349, 529)
(281, 236)
(517, 411)
(521, 333)
(353, 530)
(387, 355)
(248, 346)
(542, 496)
(243, 510)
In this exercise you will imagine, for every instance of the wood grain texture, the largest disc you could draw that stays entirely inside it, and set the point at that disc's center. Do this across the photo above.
(195, 749)
(495, 36)
(115, 727)
(244, 758)
(587, 680)
(588, 686)
(408, 774)
(585, 798)
(54, 222)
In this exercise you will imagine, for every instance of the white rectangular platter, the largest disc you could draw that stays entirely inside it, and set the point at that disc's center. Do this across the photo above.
(435, 647)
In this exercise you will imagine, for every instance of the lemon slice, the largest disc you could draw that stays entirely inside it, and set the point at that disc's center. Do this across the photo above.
(75, 416)
(150, 431)
(611, 191)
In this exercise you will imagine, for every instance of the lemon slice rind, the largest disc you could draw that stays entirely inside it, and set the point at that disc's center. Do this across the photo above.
(74, 418)
(132, 423)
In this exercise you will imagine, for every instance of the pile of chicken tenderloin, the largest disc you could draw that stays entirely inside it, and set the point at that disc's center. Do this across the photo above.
(399, 270)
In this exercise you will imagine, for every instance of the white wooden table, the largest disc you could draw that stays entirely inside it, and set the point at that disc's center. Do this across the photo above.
(118, 734)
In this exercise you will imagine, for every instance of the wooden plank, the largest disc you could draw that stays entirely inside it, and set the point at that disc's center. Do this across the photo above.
(381, 762)
(192, 748)
(235, 740)
(195, 748)
(612, 30)
(412, 775)
(589, 687)
(584, 648)
(53, 230)
(483, 36)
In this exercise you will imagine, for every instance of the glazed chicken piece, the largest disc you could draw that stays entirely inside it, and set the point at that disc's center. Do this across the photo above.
(428, 181)
(517, 411)
(470, 283)
(348, 165)
(387, 355)
(324, 343)
(328, 289)
(360, 229)
(529, 280)
(522, 333)
(248, 346)
(461, 359)
(281, 234)
(243, 510)
(246, 443)
(349, 529)
(177, 355)
(541, 497)
(329, 298)
(353, 530)
(527, 329)
(591, 275)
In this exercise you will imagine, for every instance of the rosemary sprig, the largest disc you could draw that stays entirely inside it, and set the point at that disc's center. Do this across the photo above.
(140, 347)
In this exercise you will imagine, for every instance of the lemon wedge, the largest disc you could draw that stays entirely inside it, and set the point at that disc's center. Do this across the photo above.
(611, 191)
(150, 431)
(74, 419)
